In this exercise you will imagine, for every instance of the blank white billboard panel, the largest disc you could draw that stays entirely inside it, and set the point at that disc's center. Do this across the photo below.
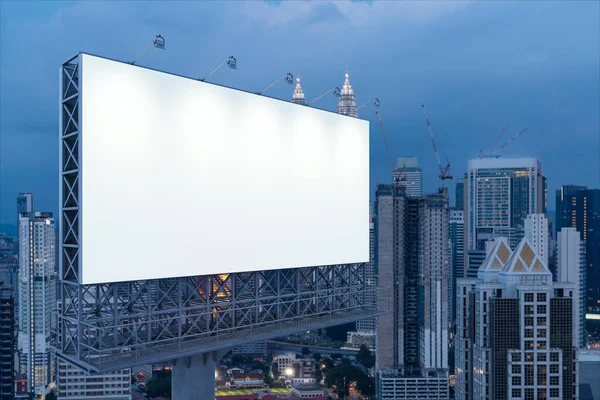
(184, 178)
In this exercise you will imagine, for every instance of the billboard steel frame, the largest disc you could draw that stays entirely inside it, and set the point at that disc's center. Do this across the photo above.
(104, 327)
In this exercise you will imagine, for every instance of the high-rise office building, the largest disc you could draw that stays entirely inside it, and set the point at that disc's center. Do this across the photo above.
(537, 233)
(459, 195)
(75, 384)
(515, 337)
(500, 193)
(370, 324)
(571, 269)
(412, 255)
(456, 231)
(24, 203)
(37, 303)
(412, 175)
(347, 104)
(365, 328)
(579, 207)
(7, 342)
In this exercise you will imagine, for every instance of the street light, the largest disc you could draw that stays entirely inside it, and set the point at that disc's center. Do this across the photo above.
(158, 42)
(336, 91)
(375, 103)
(289, 79)
(289, 371)
(231, 63)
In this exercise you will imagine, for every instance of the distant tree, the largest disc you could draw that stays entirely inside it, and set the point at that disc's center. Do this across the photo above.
(275, 370)
(50, 396)
(268, 380)
(317, 356)
(336, 356)
(365, 357)
(160, 387)
(237, 360)
(328, 362)
(344, 374)
(269, 358)
(345, 360)
(318, 373)
(366, 385)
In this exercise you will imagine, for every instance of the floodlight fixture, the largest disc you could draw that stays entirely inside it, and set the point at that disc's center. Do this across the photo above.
(336, 91)
(231, 63)
(375, 103)
(289, 79)
(158, 42)
(289, 372)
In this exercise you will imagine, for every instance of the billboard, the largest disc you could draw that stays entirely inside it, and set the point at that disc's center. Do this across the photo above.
(182, 178)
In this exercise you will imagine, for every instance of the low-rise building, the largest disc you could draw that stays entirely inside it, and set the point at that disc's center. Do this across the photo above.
(248, 380)
(306, 392)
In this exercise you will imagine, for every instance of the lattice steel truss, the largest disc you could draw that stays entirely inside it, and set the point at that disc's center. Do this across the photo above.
(103, 327)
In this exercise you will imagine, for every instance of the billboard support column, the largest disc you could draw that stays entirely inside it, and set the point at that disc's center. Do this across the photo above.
(194, 377)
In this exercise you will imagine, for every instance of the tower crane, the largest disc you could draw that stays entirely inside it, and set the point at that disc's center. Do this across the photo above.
(444, 171)
(491, 151)
(513, 138)
(387, 147)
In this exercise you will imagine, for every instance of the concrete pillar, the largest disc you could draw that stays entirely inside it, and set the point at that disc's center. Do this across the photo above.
(193, 377)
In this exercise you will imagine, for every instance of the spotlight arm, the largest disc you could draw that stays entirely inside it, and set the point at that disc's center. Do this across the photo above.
(216, 68)
(336, 91)
(291, 79)
(375, 103)
(152, 42)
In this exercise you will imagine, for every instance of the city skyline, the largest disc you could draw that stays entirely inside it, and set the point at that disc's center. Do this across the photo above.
(518, 81)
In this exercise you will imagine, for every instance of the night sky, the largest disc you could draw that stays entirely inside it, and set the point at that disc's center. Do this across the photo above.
(478, 66)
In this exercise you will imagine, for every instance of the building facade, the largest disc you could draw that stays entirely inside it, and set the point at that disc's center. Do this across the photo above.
(515, 336)
(412, 255)
(457, 259)
(571, 269)
(538, 234)
(409, 168)
(7, 342)
(459, 195)
(579, 207)
(75, 384)
(37, 299)
(500, 193)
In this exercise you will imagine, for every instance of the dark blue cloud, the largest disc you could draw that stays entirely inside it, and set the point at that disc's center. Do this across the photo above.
(478, 66)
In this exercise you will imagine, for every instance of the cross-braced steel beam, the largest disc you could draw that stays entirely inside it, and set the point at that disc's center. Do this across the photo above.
(103, 327)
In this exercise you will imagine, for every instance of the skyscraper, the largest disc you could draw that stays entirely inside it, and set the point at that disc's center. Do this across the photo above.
(459, 195)
(369, 325)
(456, 228)
(412, 259)
(37, 305)
(579, 207)
(24, 203)
(537, 233)
(571, 269)
(409, 167)
(347, 104)
(7, 341)
(500, 193)
(515, 336)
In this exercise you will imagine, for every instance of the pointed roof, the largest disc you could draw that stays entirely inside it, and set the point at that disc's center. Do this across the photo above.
(298, 96)
(498, 257)
(347, 104)
(525, 260)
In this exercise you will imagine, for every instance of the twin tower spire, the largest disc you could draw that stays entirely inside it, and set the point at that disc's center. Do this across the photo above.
(346, 104)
